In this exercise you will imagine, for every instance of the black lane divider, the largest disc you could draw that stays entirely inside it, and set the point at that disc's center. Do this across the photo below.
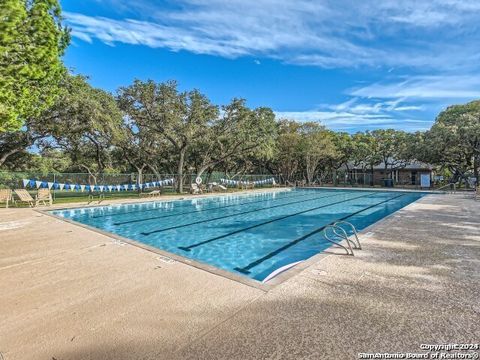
(246, 269)
(206, 209)
(160, 208)
(188, 248)
(236, 214)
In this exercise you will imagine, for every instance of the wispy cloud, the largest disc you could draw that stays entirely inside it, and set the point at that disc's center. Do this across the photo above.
(436, 40)
(347, 121)
(450, 87)
(343, 33)
(362, 113)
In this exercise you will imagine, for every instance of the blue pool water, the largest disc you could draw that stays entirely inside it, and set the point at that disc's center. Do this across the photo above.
(250, 235)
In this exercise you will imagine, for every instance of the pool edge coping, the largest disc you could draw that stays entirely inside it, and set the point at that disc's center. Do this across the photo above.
(181, 259)
(272, 283)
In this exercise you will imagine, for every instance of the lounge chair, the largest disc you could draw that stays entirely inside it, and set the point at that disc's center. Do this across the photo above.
(44, 196)
(153, 193)
(249, 185)
(214, 186)
(95, 194)
(195, 189)
(5, 196)
(25, 197)
(221, 187)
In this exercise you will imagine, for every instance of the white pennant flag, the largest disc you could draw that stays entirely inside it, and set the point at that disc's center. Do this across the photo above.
(82, 188)
(118, 187)
(25, 182)
(38, 184)
(61, 186)
(134, 187)
(72, 187)
(109, 187)
(50, 184)
(101, 188)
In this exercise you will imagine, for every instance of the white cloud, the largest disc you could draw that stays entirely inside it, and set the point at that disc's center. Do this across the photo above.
(361, 113)
(348, 121)
(438, 87)
(427, 34)
(440, 37)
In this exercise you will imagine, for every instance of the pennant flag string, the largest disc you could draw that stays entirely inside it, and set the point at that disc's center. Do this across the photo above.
(31, 183)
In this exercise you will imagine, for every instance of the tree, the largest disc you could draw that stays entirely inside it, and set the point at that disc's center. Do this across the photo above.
(238, 134)
(364, 153)
(180, 117)
(84, 123)
(392, 149)
(137, 145)
(317, 146)
(287, 148)
(454, 139)
(32, 41)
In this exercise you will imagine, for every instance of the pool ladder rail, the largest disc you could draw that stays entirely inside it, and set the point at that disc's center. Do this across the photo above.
(335, 233)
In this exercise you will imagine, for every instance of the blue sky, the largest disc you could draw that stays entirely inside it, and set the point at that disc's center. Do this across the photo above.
(352, 65)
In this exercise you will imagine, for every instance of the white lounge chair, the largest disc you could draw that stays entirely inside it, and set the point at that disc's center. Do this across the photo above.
(45, 196)
(153, 193)
(214, 186)
(5, 196)
(195, 189)
(25, 197)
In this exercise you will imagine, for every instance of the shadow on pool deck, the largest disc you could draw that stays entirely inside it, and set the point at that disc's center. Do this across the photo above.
(416, 281)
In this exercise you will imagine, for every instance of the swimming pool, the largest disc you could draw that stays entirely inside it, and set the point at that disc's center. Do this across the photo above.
(250, 235)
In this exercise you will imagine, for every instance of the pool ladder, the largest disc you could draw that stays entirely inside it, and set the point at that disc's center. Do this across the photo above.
(335, 233)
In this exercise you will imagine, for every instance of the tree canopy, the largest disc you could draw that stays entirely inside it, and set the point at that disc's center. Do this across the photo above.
(156, 127)
(454, 139)
(32, 41)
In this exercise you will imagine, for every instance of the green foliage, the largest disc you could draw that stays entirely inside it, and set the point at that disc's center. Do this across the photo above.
(392, 148)
(182, 118)
(84, 123)
(237, 136)
(32, 40)
(454, 139)
(317, 147)
(156, 127)
(287, 147)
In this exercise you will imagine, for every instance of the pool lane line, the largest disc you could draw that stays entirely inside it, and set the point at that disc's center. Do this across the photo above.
(246, 269)
(188, 248)
(235, 214)
(168, 201)
(206, 209)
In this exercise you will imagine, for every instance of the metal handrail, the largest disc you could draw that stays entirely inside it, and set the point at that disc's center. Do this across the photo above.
(348, 249)
(355, 233)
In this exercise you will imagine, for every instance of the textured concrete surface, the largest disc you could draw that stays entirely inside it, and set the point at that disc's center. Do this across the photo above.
(70, 293)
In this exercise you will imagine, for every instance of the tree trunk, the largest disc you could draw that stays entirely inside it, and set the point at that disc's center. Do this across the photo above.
(180, 170)
(372, 173)
(139, 178)
(6, 155)
(202, 170)
(475, 167)
(155, 171)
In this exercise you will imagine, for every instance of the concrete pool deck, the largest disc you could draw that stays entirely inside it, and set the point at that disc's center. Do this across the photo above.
(70, 293)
